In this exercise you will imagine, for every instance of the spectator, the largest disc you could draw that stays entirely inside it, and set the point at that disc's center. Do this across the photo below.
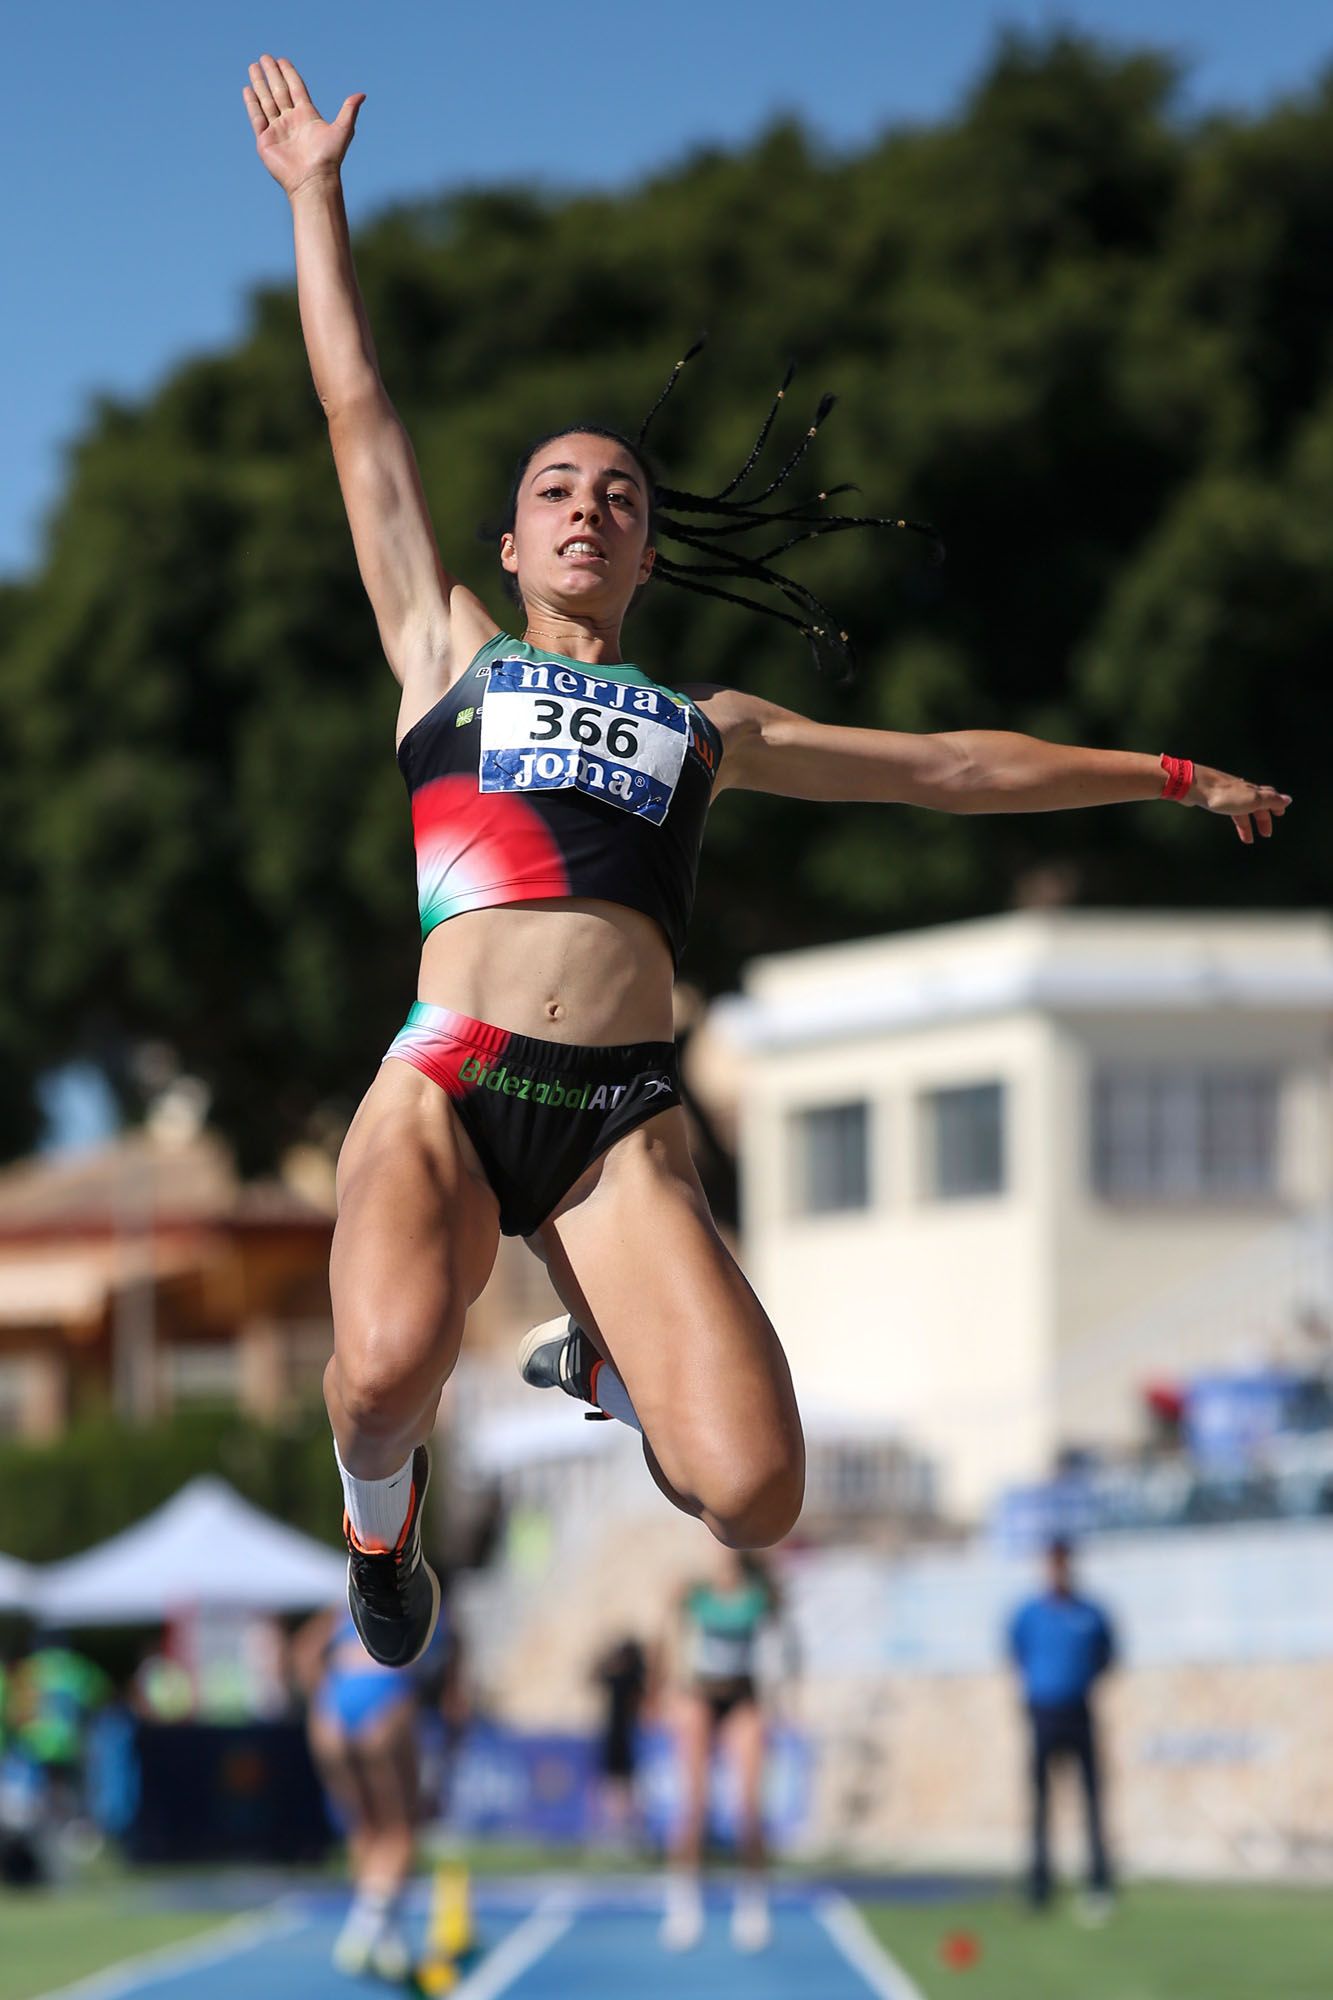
(1061, 1643)
(622, 1675)
(161, 1689)
(55, 1696)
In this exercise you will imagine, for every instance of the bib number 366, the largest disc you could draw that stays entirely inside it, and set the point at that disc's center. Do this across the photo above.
(588, 726)
(557, 729)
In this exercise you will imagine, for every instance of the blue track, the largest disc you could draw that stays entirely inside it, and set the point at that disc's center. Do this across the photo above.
(585, 1948)
(605, 1955)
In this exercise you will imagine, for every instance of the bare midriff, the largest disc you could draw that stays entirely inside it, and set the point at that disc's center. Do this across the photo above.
(582, 973)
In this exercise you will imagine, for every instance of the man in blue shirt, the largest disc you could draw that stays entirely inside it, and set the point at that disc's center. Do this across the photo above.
(1061, 1643)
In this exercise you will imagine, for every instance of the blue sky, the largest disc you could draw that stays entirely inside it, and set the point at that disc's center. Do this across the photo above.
(136, 215)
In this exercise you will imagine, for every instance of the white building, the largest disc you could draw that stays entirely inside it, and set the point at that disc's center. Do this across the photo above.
(998, 1176)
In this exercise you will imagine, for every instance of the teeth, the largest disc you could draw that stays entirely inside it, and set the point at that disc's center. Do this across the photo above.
(580, 549)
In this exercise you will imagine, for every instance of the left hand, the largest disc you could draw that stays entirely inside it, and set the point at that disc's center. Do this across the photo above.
(1247, 806)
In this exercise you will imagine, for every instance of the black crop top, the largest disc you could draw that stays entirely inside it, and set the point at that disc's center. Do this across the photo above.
(535, 776)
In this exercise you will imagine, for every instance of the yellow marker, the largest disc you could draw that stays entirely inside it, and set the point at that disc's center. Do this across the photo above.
(438, 1976)
(450, 1935)
(451, 1930)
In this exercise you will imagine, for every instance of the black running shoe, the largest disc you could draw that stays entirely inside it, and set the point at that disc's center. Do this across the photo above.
(559, 1355)
(394, 1594)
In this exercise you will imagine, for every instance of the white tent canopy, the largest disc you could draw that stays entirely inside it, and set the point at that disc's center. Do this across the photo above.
(17, 1585)
(204, 1549)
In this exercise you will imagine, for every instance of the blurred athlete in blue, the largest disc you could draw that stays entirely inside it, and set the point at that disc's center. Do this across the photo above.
(1061, 1644)
(363, 1728)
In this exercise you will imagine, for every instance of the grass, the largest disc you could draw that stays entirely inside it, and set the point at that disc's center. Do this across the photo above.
(1162, 1943)
(50, 1937)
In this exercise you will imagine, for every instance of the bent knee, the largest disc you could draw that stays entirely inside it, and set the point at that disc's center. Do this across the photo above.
(384, 1383)
(760, 1508)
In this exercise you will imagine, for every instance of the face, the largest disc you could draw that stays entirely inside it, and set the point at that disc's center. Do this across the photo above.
(579, 542)
(1059, 1569)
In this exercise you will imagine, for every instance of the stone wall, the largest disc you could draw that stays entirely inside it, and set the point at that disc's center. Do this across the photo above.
(1210, 1771)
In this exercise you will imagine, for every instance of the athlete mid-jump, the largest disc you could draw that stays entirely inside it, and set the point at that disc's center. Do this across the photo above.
(558, 800)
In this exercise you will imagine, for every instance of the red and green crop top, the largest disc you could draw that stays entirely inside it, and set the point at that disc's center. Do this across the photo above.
(535, 776)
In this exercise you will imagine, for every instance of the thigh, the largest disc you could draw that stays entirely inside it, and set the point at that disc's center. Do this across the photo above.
(636, 1256)
(692, 1724)
(417, 1227)
(1085, 1750)
(745, 1738)
(338, 1772)
(1043, 1752)
(387, 1757)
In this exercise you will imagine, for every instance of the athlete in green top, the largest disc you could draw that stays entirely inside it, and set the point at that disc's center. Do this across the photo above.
(713, 1650)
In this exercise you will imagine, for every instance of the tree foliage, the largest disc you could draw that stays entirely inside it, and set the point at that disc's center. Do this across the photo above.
(1088, 339)
(59, 1498)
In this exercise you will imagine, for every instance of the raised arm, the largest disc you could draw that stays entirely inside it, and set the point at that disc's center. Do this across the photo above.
(429, 624)
(771, 749)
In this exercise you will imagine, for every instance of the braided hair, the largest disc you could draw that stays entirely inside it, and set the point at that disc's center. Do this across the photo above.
(706, 526)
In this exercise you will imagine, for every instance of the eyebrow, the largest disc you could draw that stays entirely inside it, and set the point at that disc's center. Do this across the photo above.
(607, 472)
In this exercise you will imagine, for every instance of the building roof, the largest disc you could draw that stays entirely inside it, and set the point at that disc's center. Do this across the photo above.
(141, 1178)
(71, 1284)
(1050, 961)
(57, 1289)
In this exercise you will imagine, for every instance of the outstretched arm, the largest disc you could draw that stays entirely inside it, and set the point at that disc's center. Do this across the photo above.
(416, 602)
(771, 749)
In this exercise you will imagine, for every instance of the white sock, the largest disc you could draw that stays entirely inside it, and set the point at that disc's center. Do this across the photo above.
(611, 1395)
(370, 1912)
(751, 1925)
(684, 1891)
(376, 1508)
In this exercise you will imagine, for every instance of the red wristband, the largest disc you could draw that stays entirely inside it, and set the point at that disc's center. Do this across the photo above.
(1179, 776)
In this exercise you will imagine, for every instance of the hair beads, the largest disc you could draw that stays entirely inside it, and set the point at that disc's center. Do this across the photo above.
(725, 518)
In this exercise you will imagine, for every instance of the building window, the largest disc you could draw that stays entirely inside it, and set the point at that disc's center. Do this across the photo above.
(1184, 1135)
(965, 1141)
(831, 1150)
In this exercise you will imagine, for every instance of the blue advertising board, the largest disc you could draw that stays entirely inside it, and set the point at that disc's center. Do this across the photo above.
(546, 1787)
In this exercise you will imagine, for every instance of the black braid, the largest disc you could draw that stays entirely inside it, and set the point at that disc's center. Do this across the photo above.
(762, 438)
(818, 624)
(739, 517)
(671, 382)
(826, 404)
(670, 516)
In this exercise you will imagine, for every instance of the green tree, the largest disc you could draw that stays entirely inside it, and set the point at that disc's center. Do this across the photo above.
(1089, 339)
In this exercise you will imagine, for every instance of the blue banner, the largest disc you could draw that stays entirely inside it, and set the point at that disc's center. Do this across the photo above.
(548, 1788)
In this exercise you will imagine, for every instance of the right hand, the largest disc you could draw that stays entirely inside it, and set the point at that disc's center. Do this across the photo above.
(294, 142)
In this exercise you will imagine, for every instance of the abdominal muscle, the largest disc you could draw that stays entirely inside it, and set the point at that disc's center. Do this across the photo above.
(574, 971)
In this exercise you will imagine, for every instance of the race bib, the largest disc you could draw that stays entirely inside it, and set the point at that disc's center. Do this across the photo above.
(546, 728)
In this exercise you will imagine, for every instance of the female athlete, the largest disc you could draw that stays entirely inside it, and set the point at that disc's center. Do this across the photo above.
(363, 1725)
(713, 1646)
(558, 799)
